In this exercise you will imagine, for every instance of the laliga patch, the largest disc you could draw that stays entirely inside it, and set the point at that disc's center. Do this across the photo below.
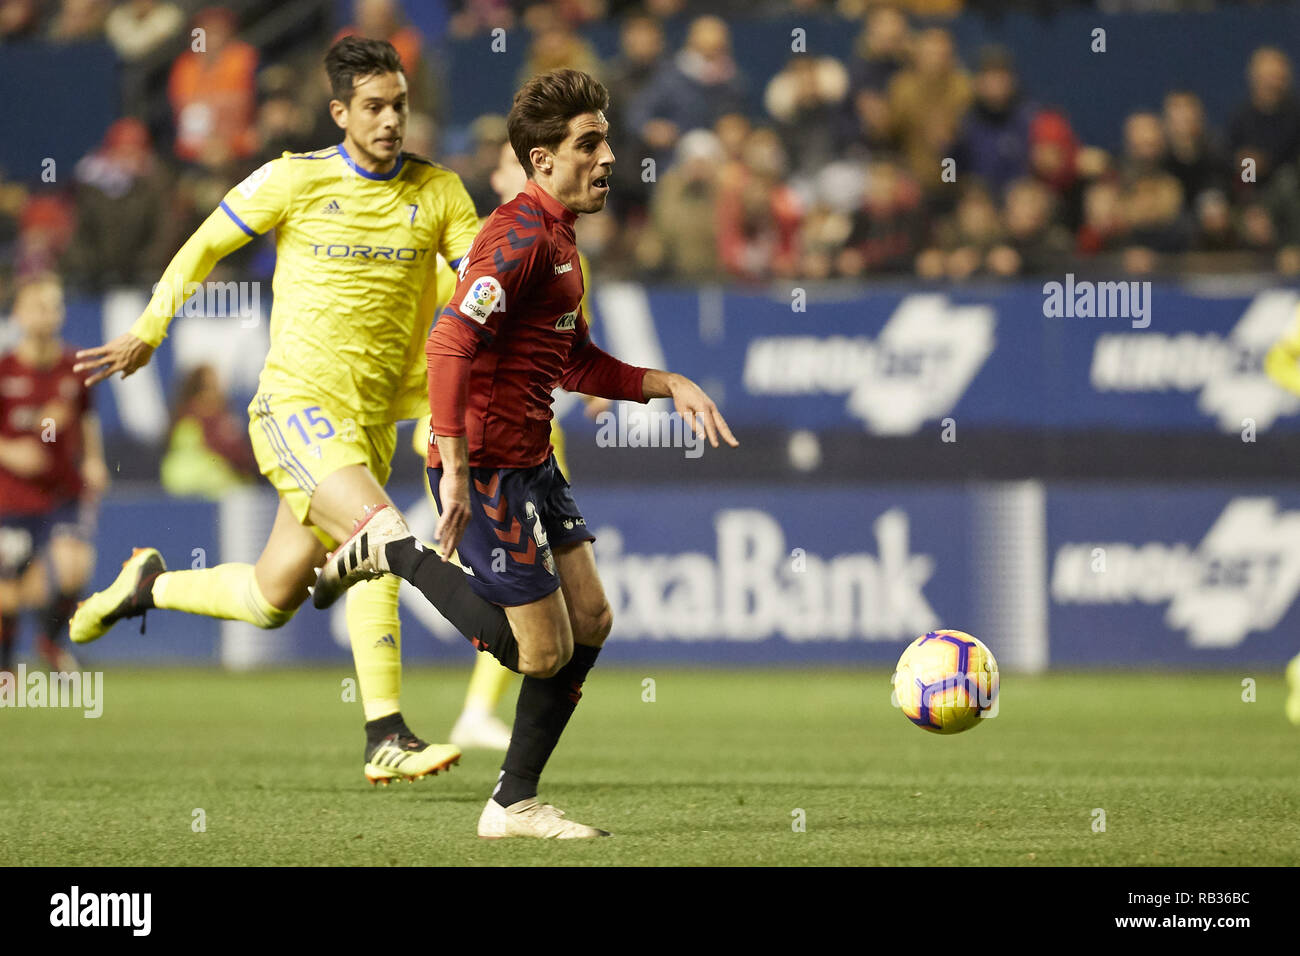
(484, 297)
(255, 179)
(568, 322)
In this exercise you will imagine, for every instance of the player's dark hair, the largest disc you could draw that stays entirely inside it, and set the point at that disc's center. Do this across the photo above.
(543, 107)
(353, 58)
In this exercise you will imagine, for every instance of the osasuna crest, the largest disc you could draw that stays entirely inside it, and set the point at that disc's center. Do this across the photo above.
(539, 535)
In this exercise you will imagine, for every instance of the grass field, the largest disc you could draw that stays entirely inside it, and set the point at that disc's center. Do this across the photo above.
(711, 772)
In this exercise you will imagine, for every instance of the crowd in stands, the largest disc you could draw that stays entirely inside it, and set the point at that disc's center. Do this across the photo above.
(834, 169)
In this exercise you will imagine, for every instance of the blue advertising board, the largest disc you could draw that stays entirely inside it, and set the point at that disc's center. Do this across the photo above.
(1125, 576)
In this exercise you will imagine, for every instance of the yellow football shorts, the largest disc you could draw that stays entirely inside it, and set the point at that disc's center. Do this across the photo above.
(298, 443)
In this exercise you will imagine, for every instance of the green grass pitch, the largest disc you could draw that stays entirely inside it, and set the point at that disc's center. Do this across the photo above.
(711, 772)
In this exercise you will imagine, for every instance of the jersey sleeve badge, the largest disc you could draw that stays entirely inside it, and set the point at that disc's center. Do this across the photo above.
(484, 297)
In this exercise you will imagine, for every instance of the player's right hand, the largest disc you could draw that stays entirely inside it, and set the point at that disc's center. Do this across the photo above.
(125, 354)
(453, 492)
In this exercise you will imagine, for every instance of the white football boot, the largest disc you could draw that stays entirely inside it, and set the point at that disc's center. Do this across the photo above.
(531, 818)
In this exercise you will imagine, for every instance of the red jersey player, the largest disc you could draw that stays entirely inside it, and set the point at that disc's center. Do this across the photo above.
(52, 474)
(513, 331)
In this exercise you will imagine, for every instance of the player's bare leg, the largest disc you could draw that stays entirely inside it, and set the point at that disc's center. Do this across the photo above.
(560, 636)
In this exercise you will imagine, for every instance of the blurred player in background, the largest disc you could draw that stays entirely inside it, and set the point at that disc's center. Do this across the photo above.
(478, 725)
(52, 475)
(1283, 366)
(359, 227)
(529, 593)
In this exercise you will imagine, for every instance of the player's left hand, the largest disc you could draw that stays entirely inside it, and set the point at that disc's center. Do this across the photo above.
(125, 354)
(698, 411)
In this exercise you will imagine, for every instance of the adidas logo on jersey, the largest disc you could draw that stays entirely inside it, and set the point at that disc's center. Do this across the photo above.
(333, 207)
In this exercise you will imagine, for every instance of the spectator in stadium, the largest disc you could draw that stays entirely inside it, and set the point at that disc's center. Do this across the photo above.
(477, 16)
(78, 20)
(807, 100)
(123, 196)
(556, 45)
(1054, 160)
(1144, 146)
(45, 230)
(963, 239)
(137, 28)
(1104, 228)
(927, 102)
(1035, 244)
(487, 134)
(283, 123)
(640, 56)
(20, 19)
(694, 88)
(887, 229)
(881, 50)
(1214, 226)
(1194, 156)
(1266, 128)
(627, 76)
(994, 142)
(208, 452)
(757, 213)
(683, 240)
(1153, 208)
(213, 94)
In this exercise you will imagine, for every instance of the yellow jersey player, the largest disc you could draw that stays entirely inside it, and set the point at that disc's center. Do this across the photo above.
(359, 228)
(1283, 366)
(478, 726)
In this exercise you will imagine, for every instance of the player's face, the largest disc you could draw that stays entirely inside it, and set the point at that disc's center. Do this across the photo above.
(39, 311)
(375, 120)
(580, 168)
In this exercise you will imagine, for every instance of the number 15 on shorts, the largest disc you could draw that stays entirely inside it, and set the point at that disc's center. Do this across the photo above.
(312, 426)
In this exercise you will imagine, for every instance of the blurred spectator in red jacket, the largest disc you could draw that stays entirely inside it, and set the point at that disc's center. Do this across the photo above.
(46, 227)
(758, 214)
(213, 93)
(887, 229)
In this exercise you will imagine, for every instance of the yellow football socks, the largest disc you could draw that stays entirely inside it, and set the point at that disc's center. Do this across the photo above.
(376, 634)
(228, 591)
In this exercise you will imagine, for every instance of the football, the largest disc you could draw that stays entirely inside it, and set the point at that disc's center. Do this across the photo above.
(946, 681)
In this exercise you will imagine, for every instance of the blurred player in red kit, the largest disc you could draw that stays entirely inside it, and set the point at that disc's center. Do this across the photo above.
(52, 475)
(513, 331)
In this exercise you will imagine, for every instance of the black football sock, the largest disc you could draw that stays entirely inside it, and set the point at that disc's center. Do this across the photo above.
(447, 588)
(544, 708)
(8, 638)
(381, 727)
(55, 617)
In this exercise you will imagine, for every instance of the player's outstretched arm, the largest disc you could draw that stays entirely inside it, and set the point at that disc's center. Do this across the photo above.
(257, 204)
(691, 402)
(131, 351)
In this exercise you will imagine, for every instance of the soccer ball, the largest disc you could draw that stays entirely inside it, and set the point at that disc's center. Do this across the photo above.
(946, 681)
